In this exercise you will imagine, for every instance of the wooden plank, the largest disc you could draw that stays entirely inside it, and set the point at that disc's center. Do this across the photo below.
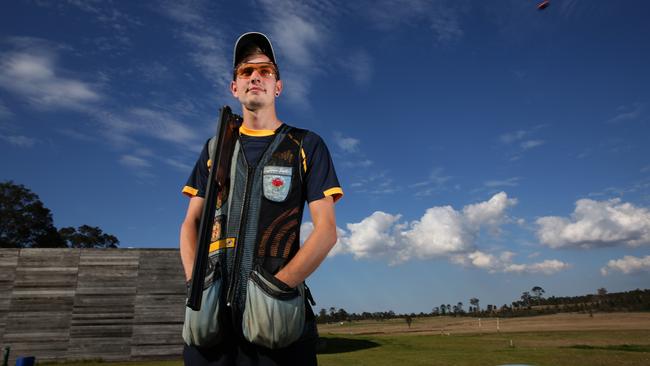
(159, 307)
(102, 316)
(8, 262)
(38, 322)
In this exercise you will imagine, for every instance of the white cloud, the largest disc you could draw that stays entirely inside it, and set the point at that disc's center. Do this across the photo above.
(628, 113)
(17, 140)
(510, 137)
(527, 145)
(184, 167)
(547, 267)
(627, 265)
(5, 113)
(31, 72)
(346, 143)
(441, 231)
(121, 129)
(521, 141)
(597, 224)
(442, 17)
(364, 163)
(300, 37)
(379, 183)
(210, 52)
(435, 183)
(359, 65)
(491, 212)
(503, 263)
(134, 162)
(510, 182)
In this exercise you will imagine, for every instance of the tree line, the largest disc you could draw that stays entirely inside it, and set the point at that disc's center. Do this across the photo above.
(25, 222)
(530, 303)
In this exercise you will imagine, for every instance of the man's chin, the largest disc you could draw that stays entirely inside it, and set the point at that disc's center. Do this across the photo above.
(253, 105)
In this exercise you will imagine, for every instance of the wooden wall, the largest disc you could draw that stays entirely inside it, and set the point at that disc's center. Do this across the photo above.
(109, 304)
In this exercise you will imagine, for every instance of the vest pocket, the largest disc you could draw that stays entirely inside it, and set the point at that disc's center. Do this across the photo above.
(201, 328)
(276, 182)
(274, 316)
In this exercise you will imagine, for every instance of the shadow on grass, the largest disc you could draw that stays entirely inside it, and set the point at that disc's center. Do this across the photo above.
(621, 347)
(328, 345)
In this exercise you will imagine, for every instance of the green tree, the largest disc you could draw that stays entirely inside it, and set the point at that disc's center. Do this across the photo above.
(87, 237)
(538, 293)
(408, 320)
(24, 221)
(474, 301)
(526, 298)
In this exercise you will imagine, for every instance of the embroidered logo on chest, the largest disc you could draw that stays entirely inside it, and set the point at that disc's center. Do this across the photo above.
(276, 182)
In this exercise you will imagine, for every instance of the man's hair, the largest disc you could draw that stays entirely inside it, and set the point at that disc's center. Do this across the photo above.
(248, 52)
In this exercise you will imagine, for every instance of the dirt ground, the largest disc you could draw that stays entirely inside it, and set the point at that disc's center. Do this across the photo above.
(464, 325)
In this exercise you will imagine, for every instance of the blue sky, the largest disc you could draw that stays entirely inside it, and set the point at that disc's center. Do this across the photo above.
(483, 147)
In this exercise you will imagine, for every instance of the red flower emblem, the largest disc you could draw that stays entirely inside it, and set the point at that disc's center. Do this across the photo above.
(277, 182)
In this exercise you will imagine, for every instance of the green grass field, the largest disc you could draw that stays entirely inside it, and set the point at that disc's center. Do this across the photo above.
(552, 348)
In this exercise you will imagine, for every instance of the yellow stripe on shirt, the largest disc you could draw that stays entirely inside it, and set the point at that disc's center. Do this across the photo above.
(189, 191)
(335, 192)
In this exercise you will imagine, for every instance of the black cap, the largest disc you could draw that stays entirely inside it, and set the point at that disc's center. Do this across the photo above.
(256, 38)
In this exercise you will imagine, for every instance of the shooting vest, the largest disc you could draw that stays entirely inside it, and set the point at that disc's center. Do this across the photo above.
(256, 232)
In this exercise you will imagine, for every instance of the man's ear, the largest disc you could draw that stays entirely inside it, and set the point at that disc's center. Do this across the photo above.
(233, 88)
(278, 87)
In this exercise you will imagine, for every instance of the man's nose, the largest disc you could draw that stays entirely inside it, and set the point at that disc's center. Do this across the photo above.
(256, 77)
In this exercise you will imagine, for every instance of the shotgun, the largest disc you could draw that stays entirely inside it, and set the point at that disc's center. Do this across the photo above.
(217, 188)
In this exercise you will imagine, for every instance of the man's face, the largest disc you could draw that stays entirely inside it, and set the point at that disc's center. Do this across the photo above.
(257, 90)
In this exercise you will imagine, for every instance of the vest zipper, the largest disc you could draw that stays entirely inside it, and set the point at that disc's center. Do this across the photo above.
(239, 246)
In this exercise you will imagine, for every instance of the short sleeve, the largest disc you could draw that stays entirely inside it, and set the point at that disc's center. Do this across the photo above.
(320, 175)
(198, 179)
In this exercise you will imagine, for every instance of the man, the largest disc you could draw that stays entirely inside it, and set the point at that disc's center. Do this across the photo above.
(255, 308)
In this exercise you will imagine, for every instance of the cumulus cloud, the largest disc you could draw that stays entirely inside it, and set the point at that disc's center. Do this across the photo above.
(31, 72)
(442, 232)
(627, 265)
(490, 212)
(597, 224)
(504, 263)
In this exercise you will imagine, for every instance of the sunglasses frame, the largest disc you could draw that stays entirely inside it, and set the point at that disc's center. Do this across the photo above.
(256, 67)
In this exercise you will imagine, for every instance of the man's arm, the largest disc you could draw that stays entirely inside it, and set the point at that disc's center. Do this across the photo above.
(189, 234)
(317, 245)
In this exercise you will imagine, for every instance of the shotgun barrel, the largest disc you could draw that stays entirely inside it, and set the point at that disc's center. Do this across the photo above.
(218, 178)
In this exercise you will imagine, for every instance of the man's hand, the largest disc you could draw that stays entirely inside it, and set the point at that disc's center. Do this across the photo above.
(317, 245)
